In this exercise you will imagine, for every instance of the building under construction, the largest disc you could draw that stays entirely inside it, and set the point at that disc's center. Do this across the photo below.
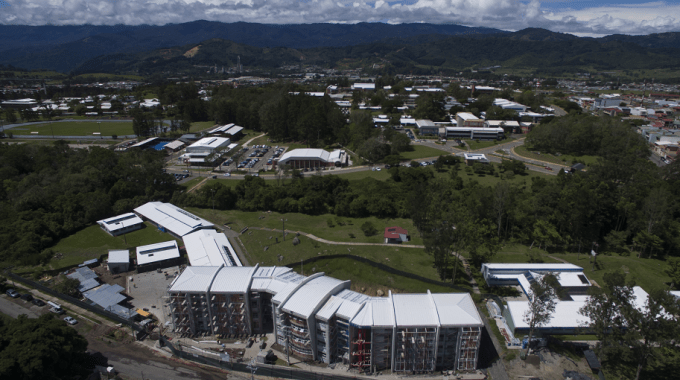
(318, 318)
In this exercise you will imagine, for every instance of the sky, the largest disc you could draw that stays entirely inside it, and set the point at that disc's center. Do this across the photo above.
(582, 18)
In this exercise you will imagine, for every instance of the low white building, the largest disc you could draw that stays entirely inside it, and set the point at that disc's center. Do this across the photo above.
(314, 158)
(471, 158)
(119, 260)
(159, 255)
(170, 218)
(363, 86)
(198, 152)
(121, 224)
(210, 248)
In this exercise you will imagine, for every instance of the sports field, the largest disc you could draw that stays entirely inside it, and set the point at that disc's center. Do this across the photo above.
(76, 128)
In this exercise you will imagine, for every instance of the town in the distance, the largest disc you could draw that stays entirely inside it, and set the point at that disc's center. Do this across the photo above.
(345, 222)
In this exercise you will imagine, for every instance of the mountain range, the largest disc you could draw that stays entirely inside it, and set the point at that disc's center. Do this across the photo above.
(145, 49)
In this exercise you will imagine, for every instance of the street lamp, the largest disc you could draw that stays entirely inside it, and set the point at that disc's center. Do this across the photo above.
(284, 228)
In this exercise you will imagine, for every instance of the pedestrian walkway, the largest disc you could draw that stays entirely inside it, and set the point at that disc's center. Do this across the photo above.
(321, 240)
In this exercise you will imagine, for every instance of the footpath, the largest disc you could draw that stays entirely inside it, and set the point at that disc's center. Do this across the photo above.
(321, 240)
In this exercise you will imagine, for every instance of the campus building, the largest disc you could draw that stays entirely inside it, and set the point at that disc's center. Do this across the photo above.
(314, 158)
(121, 224)
(172, 219)
(319, 318)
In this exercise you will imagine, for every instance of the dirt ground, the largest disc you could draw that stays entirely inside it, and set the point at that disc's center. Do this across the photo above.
(547, 365)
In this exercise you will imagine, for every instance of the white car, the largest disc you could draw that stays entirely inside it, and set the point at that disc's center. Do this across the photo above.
(70, 320)
(227, 174)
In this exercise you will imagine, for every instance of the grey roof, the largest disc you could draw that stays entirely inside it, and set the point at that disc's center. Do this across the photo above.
(87, 285)
(119, 256)
(106, 295)
(83, 274)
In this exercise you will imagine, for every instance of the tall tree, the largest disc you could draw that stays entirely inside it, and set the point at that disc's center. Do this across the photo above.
(542, 301)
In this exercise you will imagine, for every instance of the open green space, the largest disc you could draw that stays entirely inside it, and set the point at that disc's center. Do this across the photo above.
(191, 183)
(563, 159)
(474, 145)
(92, 242)
(412, 260)
(198, 126)
(422, 151)
(76, 128)
(316, 225)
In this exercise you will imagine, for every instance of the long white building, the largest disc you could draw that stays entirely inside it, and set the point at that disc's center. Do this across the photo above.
(210, 248)
(170, 218)
(313, 158)
(320, 318)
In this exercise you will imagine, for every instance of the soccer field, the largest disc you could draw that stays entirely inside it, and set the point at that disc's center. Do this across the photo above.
(76, 128)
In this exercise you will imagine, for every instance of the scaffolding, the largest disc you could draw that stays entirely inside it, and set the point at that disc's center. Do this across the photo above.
(469, 344)
(190, 313)
(415, 349)
(446, 348)
(361, 349)
(229, 314)
(381, 348)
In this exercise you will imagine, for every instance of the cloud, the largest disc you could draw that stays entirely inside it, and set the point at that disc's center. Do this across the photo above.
(502, 14)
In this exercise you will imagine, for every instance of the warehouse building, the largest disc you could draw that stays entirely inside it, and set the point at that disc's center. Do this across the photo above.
(314, 158)
(199, 152)
(320, 318)
(172, 219)
(121, 224)
(467, 119)
(119, 260)
(427, 127)
(210, 248)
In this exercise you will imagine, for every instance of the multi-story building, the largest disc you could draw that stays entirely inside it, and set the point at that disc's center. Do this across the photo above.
(319, 318)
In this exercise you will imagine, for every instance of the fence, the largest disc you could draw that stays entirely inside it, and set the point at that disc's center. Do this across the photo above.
(262, 369)
(93, 308)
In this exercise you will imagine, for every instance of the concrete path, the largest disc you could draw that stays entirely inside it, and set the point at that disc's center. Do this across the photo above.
(320, 240)
(247, 143)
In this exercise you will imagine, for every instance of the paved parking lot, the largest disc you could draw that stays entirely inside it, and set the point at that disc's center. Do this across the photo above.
(148, 289)
(252, 154)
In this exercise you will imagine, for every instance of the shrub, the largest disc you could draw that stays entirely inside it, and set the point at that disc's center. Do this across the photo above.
(330, 223)
(510, 356)
(369, 229)
(351, 235)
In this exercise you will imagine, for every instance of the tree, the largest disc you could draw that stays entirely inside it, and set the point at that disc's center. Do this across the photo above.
(10, 115)
(673, 271)
(68, 286)
(542, 300)
(42, 348)
(369, 229)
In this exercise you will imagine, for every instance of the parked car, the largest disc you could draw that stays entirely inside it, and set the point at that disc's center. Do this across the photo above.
(227, 174)
(38, 302)
(70, 320)
(26, 297)
(13, 293)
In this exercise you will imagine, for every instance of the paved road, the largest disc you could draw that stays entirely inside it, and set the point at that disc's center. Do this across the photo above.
(13, 309)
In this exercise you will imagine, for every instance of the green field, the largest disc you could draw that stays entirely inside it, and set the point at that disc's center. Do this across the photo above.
(76, 128)
(422, 151)
(564, 159)
(92, 242)
(316, 225)
(413, 260)
(381, 175)
(198, 126)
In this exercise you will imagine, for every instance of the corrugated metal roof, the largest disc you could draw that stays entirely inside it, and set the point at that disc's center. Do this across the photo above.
(172, 218)
(210, 248)
(87, 285)
(194, 280)
(377, 312)
(566, 314)
(456, 309)
(535, 267)
(329, 308)
(106, 295)
(153, 253)
(415, 310)
(120, 221)
(352, 303)
(232, 280)
(311, 294)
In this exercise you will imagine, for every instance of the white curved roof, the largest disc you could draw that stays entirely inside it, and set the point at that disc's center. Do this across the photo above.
(311, 154)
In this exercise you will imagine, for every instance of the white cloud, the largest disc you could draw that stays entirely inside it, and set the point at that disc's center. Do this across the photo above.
(642, 18)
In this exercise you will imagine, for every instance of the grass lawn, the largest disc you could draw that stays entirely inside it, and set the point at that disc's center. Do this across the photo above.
(192, 182)
(474, 145)
(92, 242)
(413, 260)
(150, 95)
(422, 151)
(315, 225)
(564, 159)
(76, 128)
(200, 125)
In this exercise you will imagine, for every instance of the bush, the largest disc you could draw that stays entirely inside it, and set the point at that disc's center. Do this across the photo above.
(330, 223)
(510, 356)
(351, 235)
(369, 229)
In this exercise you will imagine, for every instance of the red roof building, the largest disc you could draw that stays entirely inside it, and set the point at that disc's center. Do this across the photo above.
(396, 235)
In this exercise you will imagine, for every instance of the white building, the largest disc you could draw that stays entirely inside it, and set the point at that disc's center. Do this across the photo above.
(157, 255)
(198, 152)
(170, 218)
(363, 86)
(471, 158)
(314, 158)
(319, 318)
(571, 276)
(119, 260)
(121, 224)
(210, 248)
